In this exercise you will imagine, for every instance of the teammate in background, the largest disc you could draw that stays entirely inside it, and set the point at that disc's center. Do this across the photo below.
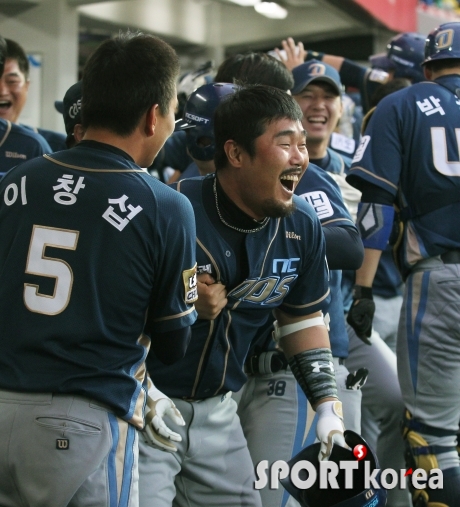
(403, 58)
(70, 108)
(318, 91)
(17, 144)
(97, 260)
(249, 68)
(252, 235)
(413, 164)
(14, 87)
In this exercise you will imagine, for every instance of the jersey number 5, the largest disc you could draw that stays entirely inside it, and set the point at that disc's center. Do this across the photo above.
(39, 264)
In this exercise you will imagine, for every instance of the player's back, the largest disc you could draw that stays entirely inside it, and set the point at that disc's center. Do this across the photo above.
(83, 242)
(18, 144)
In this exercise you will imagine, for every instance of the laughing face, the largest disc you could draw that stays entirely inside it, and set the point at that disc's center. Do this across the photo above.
(268, 179)
(13, 91)
(322, 108)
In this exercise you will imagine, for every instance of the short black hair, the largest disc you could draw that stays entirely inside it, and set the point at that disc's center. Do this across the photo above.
(445, 63)
(243, 116)
(394, 85)
(255, 68)
(15, 52)
(2, 54)
(124, 78)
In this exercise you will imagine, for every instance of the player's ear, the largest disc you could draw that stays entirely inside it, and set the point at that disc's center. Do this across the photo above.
(233, 152)
(151, 119)
(427, 73)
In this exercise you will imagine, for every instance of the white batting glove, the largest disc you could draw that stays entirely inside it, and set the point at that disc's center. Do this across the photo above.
(156, 433)
(330, 428)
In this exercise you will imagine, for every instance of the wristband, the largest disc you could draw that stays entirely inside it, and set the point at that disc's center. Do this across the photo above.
(314, 55)
(360, 292)
(314, 371)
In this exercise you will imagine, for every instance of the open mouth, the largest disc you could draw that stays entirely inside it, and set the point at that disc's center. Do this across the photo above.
(320, 120)
(289, 181)
(5, 105)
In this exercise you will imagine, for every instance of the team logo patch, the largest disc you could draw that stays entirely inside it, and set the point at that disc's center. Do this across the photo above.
(62, 444)
(190, 285)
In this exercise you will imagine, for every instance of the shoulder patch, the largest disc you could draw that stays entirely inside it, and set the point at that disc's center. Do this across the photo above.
(320, 203)
(190, 285)
(361, 149)
(343, 143)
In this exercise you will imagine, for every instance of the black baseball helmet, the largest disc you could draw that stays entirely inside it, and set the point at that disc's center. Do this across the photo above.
(357, 496)
(404, 55)
(198, 118)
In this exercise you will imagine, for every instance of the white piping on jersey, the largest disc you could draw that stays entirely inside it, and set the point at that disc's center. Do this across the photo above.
(337, 220)
(271, 241)
(203, 354)
(175, 316)
(374, 176)
(310, 304)
(7, 133)
(211, 258)
(79, 168)
(226, 354)
(137, 418)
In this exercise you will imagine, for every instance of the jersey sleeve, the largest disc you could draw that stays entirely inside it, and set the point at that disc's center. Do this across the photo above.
(322, 193)
(311, 290)
(172, 302)
(378, 158)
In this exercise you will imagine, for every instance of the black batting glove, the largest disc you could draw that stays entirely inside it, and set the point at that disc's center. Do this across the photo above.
(362, 312)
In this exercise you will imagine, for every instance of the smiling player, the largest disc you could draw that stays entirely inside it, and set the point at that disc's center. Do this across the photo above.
(265, 246)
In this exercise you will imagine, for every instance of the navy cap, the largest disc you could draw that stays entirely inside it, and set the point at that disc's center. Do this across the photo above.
(314, 70)
(70, 107)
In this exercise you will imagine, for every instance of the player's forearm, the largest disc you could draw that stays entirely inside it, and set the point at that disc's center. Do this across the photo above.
(366, 273)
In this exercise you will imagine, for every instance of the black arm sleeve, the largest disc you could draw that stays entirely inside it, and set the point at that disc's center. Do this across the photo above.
(169, 347)
(373, 193)
(351, 73)
(344, 248)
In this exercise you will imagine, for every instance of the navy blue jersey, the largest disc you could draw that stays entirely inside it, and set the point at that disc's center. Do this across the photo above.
(323, 193)
(91, 245)
(18, 144)
(56, 140)
(287, 270)
(411, 149)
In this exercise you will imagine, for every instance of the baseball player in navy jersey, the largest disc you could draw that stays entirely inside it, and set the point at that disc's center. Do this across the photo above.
(14, 88)
(97, 261)
(252, 242)
(17, 144)
(318, 90)
(413, 164)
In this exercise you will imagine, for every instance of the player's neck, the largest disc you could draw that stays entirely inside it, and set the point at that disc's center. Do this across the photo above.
(129, 145)
(317, 149)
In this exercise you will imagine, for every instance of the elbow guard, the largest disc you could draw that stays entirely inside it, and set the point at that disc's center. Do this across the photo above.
(375, 223)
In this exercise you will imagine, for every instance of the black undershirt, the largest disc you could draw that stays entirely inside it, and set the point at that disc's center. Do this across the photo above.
(234, 216)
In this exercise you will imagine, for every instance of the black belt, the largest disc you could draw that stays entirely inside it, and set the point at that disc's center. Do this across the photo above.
(451, 257)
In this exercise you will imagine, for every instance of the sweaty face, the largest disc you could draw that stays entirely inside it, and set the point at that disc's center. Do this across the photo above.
(13, 91)
(268, 180)
(321, 107)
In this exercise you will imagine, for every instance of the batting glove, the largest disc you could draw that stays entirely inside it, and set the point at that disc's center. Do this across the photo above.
(156, 433)
(361, 313)
(330, 428)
